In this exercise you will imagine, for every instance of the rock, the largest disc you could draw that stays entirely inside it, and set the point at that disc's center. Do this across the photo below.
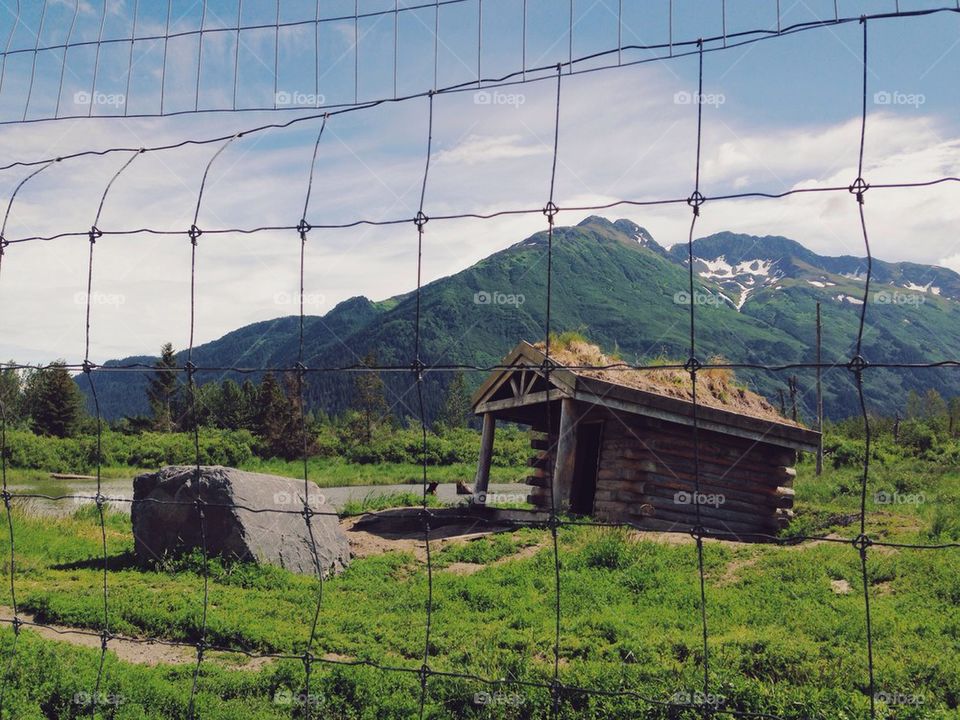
(166, 519)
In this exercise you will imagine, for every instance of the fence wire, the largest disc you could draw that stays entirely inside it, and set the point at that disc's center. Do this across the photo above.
(559, 692)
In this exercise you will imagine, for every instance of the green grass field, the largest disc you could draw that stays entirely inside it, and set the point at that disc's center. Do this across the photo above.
(787, 624)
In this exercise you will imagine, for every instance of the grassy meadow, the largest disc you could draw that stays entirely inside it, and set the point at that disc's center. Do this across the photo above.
(787, 625)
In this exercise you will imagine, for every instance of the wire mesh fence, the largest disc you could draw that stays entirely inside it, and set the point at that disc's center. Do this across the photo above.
(560, 693)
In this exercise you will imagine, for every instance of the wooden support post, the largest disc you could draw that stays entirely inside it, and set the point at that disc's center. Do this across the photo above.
(566, 455)
(482, 481)
(819, 395)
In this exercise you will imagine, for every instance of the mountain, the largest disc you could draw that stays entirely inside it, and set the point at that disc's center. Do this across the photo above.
(755, 296)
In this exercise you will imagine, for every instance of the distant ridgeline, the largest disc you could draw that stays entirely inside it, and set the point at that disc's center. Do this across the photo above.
(756, 303)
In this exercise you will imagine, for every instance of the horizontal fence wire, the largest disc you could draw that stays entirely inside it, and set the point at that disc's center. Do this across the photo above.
(552, 521)
(611, 57)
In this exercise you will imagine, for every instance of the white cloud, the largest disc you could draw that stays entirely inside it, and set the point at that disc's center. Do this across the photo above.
(621, 136)
(476, 149)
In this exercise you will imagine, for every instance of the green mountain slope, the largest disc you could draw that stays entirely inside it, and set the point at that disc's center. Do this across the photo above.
(755, 303)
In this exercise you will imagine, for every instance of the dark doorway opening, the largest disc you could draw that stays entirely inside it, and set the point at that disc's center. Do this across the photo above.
(589, 437)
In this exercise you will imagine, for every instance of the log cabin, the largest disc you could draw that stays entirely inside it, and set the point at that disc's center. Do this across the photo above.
(618, 444)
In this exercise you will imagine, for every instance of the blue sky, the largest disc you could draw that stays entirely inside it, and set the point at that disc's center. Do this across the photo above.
(780, 114)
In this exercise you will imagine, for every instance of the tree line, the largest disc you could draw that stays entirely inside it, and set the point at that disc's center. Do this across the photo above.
(49, 402)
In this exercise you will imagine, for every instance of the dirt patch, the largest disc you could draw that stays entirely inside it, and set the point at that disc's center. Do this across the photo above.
(731, 573)
(133, 650)
(365, 543)
(840, 587)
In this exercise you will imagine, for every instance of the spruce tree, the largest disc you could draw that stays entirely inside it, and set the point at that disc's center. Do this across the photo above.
(456, 409)
(163, 390)
(370, 399)
(54, 402)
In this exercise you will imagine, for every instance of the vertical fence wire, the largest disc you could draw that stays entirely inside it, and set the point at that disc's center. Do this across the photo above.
(88, 371)
(16, 623)
(194, 234)
(693, 365)
(418, 368)
(857, 365)
(550, 212)
(301, 369)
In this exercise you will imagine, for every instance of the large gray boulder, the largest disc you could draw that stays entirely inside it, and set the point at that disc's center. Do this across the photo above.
(166, 519)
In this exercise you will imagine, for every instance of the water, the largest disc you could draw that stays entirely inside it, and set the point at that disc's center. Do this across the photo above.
(123, 488)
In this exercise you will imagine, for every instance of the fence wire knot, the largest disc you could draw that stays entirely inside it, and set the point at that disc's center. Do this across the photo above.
(105, 637)
(417, 367)
(858, 188)
(692, 365)
(194, 232)
(94, 233)
(857, 364)
(695, 201)
(303, 227)
(88, 367)
(551, 210)
(420, 219)
(861, 542)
